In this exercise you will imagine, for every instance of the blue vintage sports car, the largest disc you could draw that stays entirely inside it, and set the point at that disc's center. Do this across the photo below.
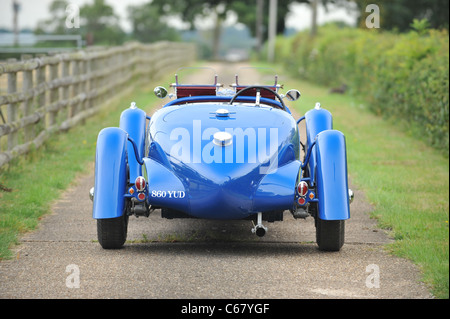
(217, 153)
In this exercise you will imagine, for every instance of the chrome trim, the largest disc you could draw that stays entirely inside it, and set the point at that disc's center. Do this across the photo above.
(222, 113)
(222, 138)
(91, 194)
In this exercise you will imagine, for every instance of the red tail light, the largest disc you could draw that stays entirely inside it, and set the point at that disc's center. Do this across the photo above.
(140, 184)
(302, 188)
(141, 196)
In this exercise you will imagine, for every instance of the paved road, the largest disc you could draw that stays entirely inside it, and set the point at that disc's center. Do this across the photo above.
(202, 259)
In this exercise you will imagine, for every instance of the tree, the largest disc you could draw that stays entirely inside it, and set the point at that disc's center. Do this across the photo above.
(247, 14)
(101, 24)
(399, 14)
(191, 10)
(56, 24)
(148, 25)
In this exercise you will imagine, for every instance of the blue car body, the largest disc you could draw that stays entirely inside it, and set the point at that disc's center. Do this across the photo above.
(202, 157)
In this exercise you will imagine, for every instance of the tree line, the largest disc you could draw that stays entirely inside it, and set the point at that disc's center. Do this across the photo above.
(100, 24)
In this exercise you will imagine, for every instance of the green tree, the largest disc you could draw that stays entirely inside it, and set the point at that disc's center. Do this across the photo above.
(148, 25)
(100, 24)
(247, 13)
(56, 24)
(399, 14)
(191, 10)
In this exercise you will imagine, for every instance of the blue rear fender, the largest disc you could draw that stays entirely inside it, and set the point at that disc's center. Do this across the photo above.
(165, 189)
(317, 120)
(132, 121)
(277, 191)
(331, 176)
(111, 176)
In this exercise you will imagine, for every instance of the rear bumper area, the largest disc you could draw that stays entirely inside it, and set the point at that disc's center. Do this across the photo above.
(227, 199)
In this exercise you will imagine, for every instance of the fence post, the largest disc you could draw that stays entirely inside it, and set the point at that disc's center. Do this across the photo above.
(65, 73)
(12, 107)
(40, 83)
(40, 95)
(73, 110)
(89, 81)
(27, 89)
(54, 94)
(84, 84)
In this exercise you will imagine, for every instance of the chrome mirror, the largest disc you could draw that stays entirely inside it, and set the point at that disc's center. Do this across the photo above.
(160, 92)
(293, 95)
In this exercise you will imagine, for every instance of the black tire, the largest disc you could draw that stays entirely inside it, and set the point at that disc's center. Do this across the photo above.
(330, 234)
(112, 232)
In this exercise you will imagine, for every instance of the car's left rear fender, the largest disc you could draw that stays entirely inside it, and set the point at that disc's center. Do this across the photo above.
(111, 175)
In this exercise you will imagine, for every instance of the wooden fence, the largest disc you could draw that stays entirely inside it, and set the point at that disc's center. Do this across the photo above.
(48, 94)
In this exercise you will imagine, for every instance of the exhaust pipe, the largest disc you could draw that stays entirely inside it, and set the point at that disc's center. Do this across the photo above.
(259, 229)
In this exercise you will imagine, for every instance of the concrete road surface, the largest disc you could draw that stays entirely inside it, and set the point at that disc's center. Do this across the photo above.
(190, 259)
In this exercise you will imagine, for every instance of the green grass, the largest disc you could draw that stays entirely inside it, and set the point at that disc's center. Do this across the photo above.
(405, 180)
(39, 178)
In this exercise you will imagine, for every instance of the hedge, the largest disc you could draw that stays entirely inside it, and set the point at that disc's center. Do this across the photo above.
(401, 76)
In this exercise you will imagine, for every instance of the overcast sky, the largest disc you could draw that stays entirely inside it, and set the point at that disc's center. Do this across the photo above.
(33, 11)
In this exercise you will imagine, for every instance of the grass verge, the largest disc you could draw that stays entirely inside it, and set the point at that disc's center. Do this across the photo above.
(405, 180)
(39, 178)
